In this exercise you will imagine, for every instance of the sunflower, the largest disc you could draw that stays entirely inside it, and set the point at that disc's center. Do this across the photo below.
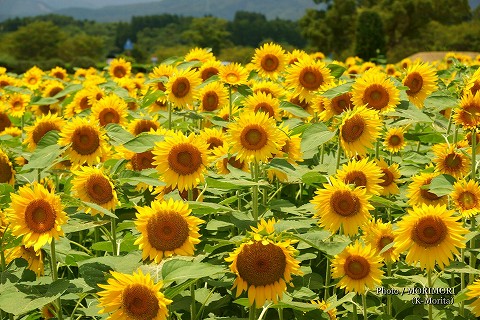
(291, 147)
(17, 103)
(390, 175)
(223, 160)
(306, 76)
(362, 173)
(394, 140)
(375, 90)
(263, 102)
(32, 78)
(199, 54)
(7, 172)
(405, 63)
(378, 235)
(337, 105)
(269, 60)
(79, 103)
(134, 296)
(37, 215)
(322, 305)
(295, 55)
(214, 138)
(209, 69)
(263, 267)
(33, 257)
(357, 267)
(419, 193)
(307, 105)
(160, 71)
(431, 235)
(4, 119)
(52, 88)
(212, 96)
(6, 80)
(468, 113)
(473, 83)
(138, 126)
(86, 141)
(267, 87)
(181, 87)
(110, 109)
(451, 160)
(359, 129)
(119, 68)
(181, 160)
(59, 73)
(390, 69)
(473, 292)
(466, 197)
(42, 125)
(338, 204)
(421, 80)
(254, 136)
(233, 74)
(166, 229)
(92, 185)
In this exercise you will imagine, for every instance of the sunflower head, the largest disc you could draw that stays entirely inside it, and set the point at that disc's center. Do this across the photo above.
(379, 235)
(421, 80)
(7, 171)
(269, 60)
(468, 113)
(375, 90)
(110, 109)
(419, 192)
(42, 125)
(233, 74)
(120, 68)
(473, 292)
(213, 96)
(182, 87)
(451, 160)
(394, 139)
(466, 197)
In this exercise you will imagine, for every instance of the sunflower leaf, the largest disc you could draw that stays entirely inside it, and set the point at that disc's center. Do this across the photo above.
(143, 142)
(294, 109)
(442, 185)
(336, 70)
(313, 137)
(118, 134)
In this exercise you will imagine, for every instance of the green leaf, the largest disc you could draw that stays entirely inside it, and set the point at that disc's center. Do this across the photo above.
(151, 98)
(294, 109)
(118, 134)
(440, 101)
(460, 267)
(178, 270)
(336, 70)
(40, 101)
(313, 137)
(411, 112)
(231, 184)
(71, 88)
(203, 208)
(74, 225)
(338, 90)
(44, 158)
(48, 139)
(143, 142)
(442, 185)
(313, 178)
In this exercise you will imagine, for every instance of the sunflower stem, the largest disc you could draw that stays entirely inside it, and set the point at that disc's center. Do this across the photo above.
(449, 127)
(364, 304)
(252, 314)
(430, 285)
(322, 153)
(169, 108)
(96, 235)
(113, 231)
(474, 153)
(355, 316)
(473, 258)
(55, 277)
(377, 149)
(255, 192)
(339, 153)
(230, 104)
(389, 297)
(280, 313)
(193, 306)
(327, 281)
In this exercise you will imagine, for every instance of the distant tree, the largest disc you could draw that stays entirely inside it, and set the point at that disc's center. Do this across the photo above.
(370, 37)
(208, 32)
(451, 12)
(248, 28)
(340, 19)
(285, 31)
(314, 29)
(82, 45)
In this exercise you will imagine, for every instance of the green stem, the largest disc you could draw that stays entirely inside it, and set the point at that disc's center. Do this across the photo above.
(169, 108)
(322, 153)
(462, 277)
(55, 278)
(377, 149)
(280, 313)
(326, 294)
(389, 297)
(418, 146)
(193, 306)
(96, 235)
(339, 153)
(430, 285)
(364, 303)
(113, 231)
(252, 314)
(355, 316)
(474, 153)
(255, 192)
(473, 257)
(230, 104)
(449, 123)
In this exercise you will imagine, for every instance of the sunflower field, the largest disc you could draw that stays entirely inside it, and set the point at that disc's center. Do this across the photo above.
(291, 187)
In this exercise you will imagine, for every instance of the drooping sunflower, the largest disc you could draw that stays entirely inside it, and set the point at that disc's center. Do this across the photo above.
(379, 235)
(181, 160)
(466, 197)
(451, 160)
(340, 205)
(269, 60)
(213, 96)
(141, 125)
(233, 74)
(119, 68)
(431, 235)
(375, 90)
(263, 102)
(337, 105)
(162, 70)
(418, 192)
(199, 54)
(295, 55)
(390, 175)
(12, 131)
(110, 109)
(36, 215)
(59, 73)
(17, 104)
(473, 83)
(473, 292)
(254, 137)
(362, 173)
(42, 125)
(88, 142)
(166, 229)
(181, 87)
(359, 129)
(421, 80)
(6, 80)
(135, 296)
(358, 267)
(291, 147)
(223, 160)
(7, 172)
(263, 266)
(209, 69)
(52, 88)
(306, 76)
(33, 258)
(214, 137)
(79, 103)
(267, 87)
(91, 184)
(468, 113)
(322, 305)
(394, 140)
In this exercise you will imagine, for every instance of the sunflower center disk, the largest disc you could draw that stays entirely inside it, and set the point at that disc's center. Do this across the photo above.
(414, 82)
(453, 161)
(144, 126)
(265, 108)
(426, 194)
(119, 72)
(41, 129)
(232, 77)
(356, 267)
(214, 142)
(184, 159)
(357, 178)
(40, 216)
(181, 87)
(387, 178)
(4, 121)
(17, 105)
(429, 232)
(5, 171)
(342, 103)
(253, 137)
(261, 265)
(353, 128)
(210, 101)
(167, 232)
(139, 302)
(310, 78)
(85, 141)
(143, 160)
(384, 241)
(107, 116)
(209, 72)
(234, 162)
(99, 189)
(345, 203)
(376, 96)
(270, 63)
(467, 200)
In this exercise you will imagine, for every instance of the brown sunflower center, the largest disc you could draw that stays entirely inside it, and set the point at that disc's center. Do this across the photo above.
(467, 200)
(357, 178)
(414, 82)
(5, 170)
(40, 216)
(426, 194)
(429, 231)
(108, 115)
(232, 77)
(17, 105)
(286, 147)
(144, 126)
(99, 189)
(234, 162)
(119, 72)
(356, 267)
(345, 203)
(208, 72)
(59, 75)
(453, 161)
(143, 160)
(395, 140)
(185, 159)
(353, 128)
(54, 91)
(4, 121)
(475, 88)
(265, 108)
(270, 62)
(387, 177)
(168, 231)
(139, 302)
(261, 265)
(181, 87)
(341, 103)
(376, 96)
(83, 103)
(311, 78)
(384, 241)
(210, 101)
(214, 142)
(85, 140)
(41, 129)
(301, 103)
(253, 137)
